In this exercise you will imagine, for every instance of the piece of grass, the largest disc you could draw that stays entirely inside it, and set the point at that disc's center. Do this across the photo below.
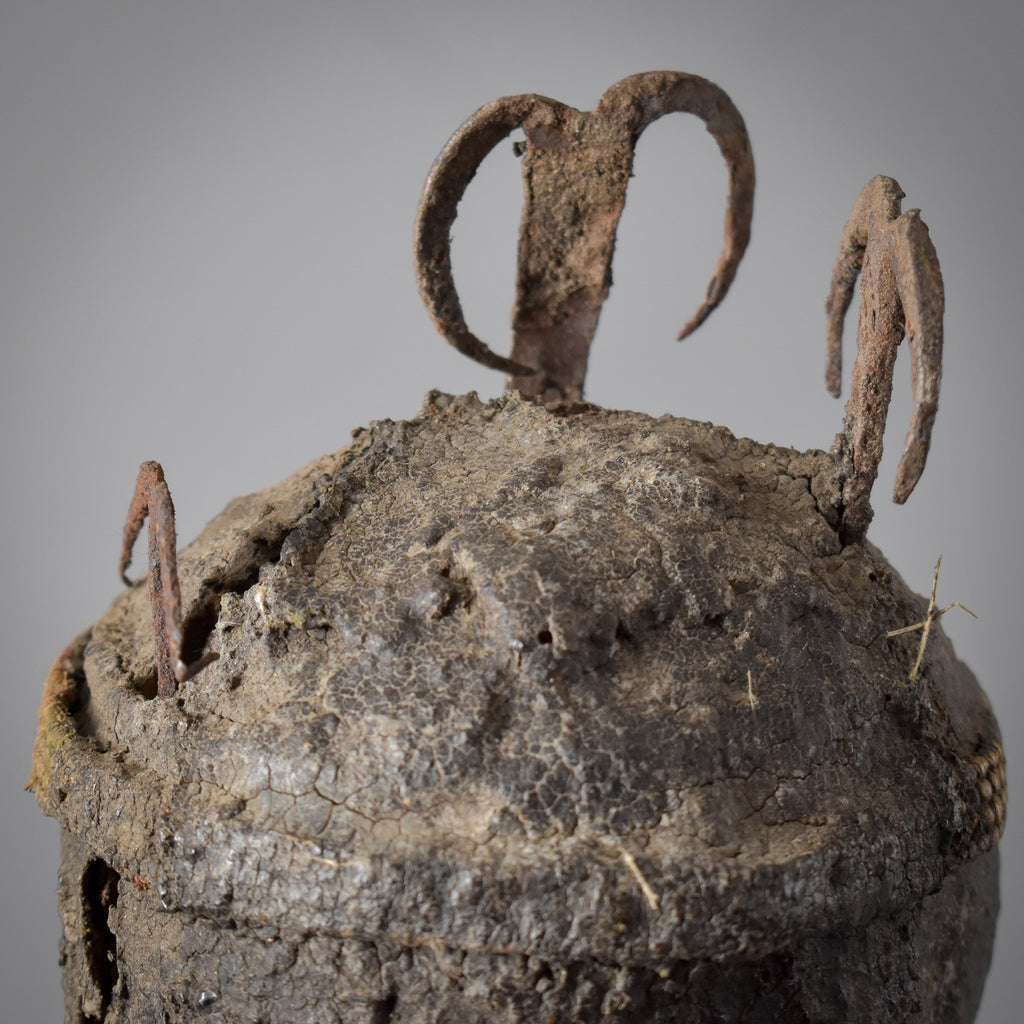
(925, 625)
(645, 887)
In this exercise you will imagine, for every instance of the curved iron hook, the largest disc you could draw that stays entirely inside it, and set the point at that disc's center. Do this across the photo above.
(664, 92)
(575, 170)
(446, 182)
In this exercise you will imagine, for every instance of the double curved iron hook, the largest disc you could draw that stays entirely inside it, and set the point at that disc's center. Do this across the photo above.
(576, 168)
(901, 295)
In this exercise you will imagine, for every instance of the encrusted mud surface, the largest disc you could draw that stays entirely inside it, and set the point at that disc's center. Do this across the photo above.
(527, 716)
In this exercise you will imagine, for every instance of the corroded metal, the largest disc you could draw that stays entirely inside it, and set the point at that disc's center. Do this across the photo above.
(575, 171)
(152, 498)
(901, 295)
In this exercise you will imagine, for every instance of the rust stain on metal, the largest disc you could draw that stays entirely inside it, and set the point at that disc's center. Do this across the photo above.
(152, 499)
(901, 295)
(575, 170)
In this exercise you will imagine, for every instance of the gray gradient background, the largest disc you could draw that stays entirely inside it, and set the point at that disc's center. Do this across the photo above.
(233, 184)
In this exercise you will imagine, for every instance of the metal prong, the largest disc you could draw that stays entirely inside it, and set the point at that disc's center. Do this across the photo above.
(152, 499)
(576, 166)
(901, 295)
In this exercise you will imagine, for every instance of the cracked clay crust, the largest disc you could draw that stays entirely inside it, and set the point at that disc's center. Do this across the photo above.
(457, 695)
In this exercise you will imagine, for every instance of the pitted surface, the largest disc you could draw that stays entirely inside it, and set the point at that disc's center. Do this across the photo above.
(561, 684)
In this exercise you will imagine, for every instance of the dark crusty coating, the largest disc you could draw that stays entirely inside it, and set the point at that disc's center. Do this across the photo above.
(523, 715)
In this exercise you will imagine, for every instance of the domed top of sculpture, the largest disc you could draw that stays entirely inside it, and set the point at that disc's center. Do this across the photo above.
(634, 668)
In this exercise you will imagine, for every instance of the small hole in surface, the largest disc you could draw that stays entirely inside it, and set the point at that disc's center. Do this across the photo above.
(544, 636)
(99, 895)
(198, 628)
(146, 688)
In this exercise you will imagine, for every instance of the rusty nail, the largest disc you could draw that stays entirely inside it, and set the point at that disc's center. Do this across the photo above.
(901, 295)
(153, 499)
(575, 169)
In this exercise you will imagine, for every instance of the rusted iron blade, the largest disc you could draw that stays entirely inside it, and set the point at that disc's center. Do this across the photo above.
(575, 171)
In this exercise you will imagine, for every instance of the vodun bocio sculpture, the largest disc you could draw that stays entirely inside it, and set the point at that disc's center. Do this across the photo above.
(530, 710)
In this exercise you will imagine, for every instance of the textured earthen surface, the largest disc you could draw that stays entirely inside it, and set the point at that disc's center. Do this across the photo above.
(527, 715)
